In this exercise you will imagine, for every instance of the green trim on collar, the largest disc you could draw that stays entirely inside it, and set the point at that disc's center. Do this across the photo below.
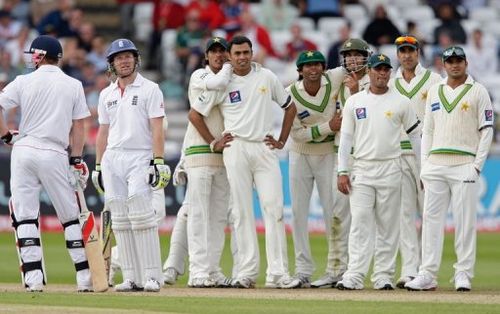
(449, 107)
(415, 89)
(312, 106)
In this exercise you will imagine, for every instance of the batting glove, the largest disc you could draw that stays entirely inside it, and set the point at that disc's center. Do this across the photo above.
(11, 137)
(159, 174)
(80, 172)
(97, 179)
(180, 175)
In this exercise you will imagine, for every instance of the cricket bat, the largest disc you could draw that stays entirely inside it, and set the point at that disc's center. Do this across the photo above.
(106, 234)
(93, 248)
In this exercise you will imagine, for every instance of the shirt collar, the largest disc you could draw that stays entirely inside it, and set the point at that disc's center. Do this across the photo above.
(323, 83)
(469, 80)
(139, 79)
(49, 68)
(418, 71)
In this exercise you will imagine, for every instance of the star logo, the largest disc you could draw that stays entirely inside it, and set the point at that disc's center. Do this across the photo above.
(216, 39)
(388, 114)
(309, 54)
(348, 45)
(465, 106)
(381, 58)
(262, 89)
(424, 95)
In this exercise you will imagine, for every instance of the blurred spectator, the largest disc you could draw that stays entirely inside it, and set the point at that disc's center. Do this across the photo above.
(450, 23)
(56, 22)
(189, 46)
(73, 58)
(297, 44)
(6, 66)
(412, 29)
(211, 15)
(98, 54)
(86, 34)
(481, 55)
(333, 60)
(9, 28)
(40, 8)
(92, 98)
(277, 15)
(470, 5)
(19, 10)
(261, 40)
(167, 14)
(232, 10)
(444, 41)
(127, 16)
(17, 46)
(437, 64)
(381, 30)
(317, 9)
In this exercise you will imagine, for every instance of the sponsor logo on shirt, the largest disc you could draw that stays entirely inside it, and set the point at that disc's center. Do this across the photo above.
(304, 114)
(134, 100)
(111, 104)
(435, 106)
(488, 115)
(361, 113)
(234, 96)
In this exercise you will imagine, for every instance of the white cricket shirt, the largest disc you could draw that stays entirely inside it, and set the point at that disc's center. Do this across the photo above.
(374, 122)
(49, 100)
(128, 114)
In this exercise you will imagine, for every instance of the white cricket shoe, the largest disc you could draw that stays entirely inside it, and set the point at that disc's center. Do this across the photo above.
(220, 280)
(244, 283)
(462, 282)
(127, 286)
(383, 284)
(202, 282)
(284, 282)
(305, 280)
(327, 281)
(152, 285)
(349, 284)
(403, 280)
(423, 282)
(37, 287)
(170, 276)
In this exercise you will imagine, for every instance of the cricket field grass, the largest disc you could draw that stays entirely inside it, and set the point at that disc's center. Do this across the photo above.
(60, 296)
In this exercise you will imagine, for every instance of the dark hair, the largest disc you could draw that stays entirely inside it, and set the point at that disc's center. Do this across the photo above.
(239, 40)
(51, 59)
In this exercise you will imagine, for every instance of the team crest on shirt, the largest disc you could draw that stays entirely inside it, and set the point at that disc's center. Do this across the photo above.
(361, 113)
(435, 106)
(234, 96)
(111, 104)
(304, 114)
(134, 100)
(488, 115)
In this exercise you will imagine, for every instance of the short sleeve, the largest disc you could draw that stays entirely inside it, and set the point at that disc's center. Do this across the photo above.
(10, 96)
(485, 109)
(102, 113)
(279, 94)
(409, 119)
(206, 101)
(155, 105)
(80, 110)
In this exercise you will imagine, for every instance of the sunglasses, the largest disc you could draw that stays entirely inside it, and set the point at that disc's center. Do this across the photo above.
(406, 40)
(454, 51)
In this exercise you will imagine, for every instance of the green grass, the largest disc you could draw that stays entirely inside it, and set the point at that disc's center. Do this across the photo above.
(60, 271)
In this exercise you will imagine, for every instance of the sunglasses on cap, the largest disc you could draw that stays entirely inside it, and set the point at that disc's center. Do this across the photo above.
(453, 52)
(406, 40)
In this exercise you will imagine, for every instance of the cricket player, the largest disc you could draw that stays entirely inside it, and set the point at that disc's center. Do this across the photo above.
(311, 155)
(457, 134)
(413, 81)
(130, 149)
(371, 126)
(249, 159)
(348, 79)
(53, 111)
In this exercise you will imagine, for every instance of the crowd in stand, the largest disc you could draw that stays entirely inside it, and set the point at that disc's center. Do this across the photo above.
(196, 20)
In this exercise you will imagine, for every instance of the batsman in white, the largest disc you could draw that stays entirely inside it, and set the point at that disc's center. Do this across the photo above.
(348, 79)
(130, 147)
(53, 110)
(248, 116)
(413, 81)
(457, 134)
(311, 156)
(371, 126)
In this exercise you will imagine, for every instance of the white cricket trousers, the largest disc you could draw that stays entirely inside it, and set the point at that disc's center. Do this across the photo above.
(208, 199)
(304, 171)
(411, 206)
(249, 163)
(455, 187)
(375, 206)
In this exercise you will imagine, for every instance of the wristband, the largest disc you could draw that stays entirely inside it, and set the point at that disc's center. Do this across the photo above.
(212, 145)
(75, 160)
(158, 161)
(97, 167)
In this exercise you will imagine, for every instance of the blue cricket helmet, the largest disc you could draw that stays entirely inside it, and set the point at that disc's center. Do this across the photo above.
(46, 45)
(121, 45)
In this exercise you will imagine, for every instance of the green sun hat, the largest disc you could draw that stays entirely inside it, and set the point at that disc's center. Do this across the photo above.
(379, 59)
(310, 56)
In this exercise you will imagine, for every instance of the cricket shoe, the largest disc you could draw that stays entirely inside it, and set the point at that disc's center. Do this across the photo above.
(462, 282)
(383, 284)
(349, 284)
(423, 282)
(305, 280)
(244, 283)
(202, 282)
(152, 285)
(403, 281)
(327, 281)
(170, 276)
(220, 280)
(284, 282)
(37, 287)
(85, 288)
(128, 286)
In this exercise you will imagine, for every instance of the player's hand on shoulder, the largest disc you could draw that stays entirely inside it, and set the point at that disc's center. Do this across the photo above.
(159, 173)
(79, 172)
(180, 175)
(272, 143)
(97, 179)
(10, 137)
